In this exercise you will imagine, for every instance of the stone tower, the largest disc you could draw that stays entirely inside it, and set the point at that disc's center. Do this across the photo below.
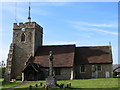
(27, 37)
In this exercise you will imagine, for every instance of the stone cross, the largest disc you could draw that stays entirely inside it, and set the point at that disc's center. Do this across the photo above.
(51, 63)
(51, 80)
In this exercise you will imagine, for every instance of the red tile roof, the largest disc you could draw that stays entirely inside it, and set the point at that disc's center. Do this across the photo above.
(63, 55)
(67, 55)
(96, 54)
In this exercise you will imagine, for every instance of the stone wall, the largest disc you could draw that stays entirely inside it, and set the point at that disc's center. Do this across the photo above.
(24, 49)
(88, 71)
(65, 73)
(9, 63)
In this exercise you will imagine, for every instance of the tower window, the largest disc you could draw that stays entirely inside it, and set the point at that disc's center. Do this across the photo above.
(23, 37)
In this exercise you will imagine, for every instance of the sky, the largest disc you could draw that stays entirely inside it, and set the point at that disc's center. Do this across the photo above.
(80, 23)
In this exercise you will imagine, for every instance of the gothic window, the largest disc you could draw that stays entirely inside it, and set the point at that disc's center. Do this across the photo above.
(23, 37)
(82, 68)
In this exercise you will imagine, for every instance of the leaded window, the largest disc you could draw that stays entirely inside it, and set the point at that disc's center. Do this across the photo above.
(82, 68)
(23, 37)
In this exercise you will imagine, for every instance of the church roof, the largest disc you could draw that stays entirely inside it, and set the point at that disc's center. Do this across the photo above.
(94, 54)
(67, 55)
(63, 55)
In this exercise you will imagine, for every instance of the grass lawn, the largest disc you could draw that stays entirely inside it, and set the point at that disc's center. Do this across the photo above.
(10, 84)
(85, 83)
(1, 82)
(110, 83)
(95, 83)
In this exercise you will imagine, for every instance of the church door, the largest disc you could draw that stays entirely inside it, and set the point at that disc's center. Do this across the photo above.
(30, 75)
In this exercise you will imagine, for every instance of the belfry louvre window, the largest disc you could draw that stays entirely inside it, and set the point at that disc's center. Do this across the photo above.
(23, 37)
(82, 68)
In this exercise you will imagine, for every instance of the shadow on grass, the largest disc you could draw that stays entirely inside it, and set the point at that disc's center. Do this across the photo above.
(65, 89)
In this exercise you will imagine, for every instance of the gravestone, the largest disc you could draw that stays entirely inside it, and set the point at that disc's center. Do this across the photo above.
(51, 80)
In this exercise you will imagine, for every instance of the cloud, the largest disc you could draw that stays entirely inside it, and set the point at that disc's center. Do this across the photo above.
(95, 27)
(60, 43)
(105, 31)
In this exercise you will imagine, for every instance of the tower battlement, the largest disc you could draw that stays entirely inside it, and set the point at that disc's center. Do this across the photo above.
(26, 25)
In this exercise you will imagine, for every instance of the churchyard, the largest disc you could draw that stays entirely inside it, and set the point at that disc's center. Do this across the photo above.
(82, 84)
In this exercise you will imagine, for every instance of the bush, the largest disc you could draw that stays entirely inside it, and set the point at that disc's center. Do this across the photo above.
(19, 78)
(2, 71)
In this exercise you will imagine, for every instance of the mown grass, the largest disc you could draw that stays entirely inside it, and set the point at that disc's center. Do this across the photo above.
(95, 83)
(85, 83)
(89, 84)
(1, 82)
(10, 84)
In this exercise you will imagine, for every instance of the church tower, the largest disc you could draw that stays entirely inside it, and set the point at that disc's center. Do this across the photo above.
(27, 37)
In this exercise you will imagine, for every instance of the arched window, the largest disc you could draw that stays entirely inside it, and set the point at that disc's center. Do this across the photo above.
(23, 37)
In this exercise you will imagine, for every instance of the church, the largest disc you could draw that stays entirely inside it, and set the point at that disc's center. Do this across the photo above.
(28, 58)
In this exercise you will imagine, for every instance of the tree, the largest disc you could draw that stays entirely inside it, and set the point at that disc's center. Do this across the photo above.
(2, 69)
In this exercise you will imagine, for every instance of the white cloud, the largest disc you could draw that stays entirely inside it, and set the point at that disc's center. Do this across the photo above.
(93, 24)
(60, 43)
(105, 31)
(95, 27)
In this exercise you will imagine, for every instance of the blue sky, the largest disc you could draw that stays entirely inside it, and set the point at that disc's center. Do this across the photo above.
(80, 23)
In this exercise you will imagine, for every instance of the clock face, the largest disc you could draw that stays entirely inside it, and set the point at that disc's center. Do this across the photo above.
(23, 29)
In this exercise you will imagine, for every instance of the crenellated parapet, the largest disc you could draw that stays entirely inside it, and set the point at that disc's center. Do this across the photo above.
(26, 25)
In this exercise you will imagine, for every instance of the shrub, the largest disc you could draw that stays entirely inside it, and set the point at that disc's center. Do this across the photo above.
(2, 71)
